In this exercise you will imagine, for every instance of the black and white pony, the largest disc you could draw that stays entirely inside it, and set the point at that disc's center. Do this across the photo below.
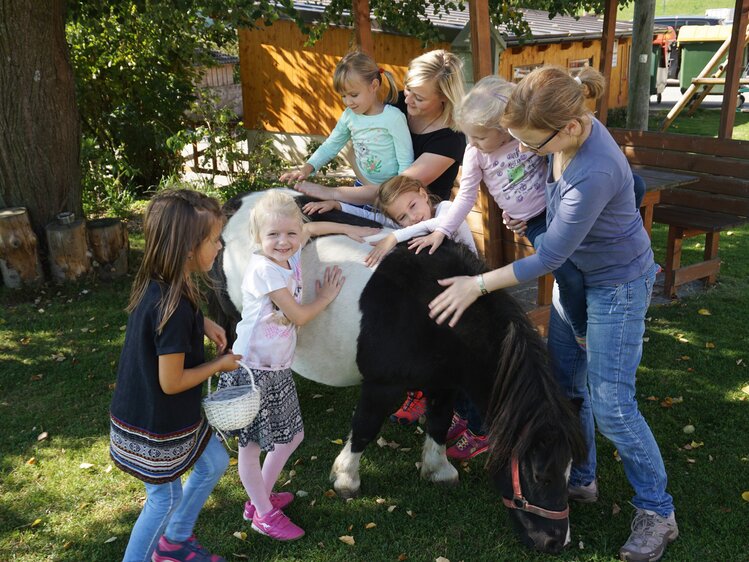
(389, 344)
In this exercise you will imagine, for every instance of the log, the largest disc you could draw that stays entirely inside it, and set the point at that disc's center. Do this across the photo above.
(19, 258)
(109, 246)
(68, 250)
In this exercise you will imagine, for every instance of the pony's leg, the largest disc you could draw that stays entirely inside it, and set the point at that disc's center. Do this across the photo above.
(375, 404)
(434, 464)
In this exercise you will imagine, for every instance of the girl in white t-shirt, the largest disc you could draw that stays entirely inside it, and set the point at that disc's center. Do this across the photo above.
(266, 336)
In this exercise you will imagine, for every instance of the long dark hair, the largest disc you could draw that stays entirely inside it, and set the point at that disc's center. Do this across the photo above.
(176, 223)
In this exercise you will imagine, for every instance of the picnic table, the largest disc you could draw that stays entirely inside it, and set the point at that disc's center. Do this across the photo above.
(656, 180)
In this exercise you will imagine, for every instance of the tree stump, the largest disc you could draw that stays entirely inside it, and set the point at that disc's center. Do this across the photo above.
(19, 259)
(109, 246)
(68, 250)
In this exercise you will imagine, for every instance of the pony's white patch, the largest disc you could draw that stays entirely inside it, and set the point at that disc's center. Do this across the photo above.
(568, 470)
(326, 348)
(434, 464)
(345, 472)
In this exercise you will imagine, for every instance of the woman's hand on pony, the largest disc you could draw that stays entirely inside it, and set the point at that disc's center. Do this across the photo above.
(451, 303)
(381, 249)
(515, 225)
(431, 241)
(215, 333)
(320, 207)
(299, 174)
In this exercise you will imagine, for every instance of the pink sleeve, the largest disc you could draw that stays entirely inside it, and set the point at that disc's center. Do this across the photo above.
(464, 201)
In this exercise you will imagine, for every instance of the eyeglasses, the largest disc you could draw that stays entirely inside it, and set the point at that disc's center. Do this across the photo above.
(540, 146)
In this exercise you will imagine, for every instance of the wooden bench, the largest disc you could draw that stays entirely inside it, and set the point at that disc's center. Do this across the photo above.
(716, 201)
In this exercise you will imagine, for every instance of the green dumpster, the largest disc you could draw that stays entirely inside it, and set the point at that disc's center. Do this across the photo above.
(698, 44)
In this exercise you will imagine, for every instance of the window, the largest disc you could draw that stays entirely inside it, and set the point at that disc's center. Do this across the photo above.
(575, 66)
(520, 72)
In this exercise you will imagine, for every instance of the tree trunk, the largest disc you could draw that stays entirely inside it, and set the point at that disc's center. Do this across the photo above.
(39, 124)
(640, 65)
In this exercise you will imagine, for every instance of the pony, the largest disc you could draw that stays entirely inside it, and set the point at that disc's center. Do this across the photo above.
(390, 345)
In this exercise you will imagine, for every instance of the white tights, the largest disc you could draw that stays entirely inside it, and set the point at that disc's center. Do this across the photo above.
(259, 482)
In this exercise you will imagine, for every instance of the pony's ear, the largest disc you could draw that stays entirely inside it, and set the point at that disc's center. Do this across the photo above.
(577, 404)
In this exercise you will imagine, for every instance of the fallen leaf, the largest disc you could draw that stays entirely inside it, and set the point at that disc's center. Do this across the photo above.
(652, 398)
(392, 508)
(314, 396)
(410, 513)
(292, 473)
(646, 339)
(405, 449)
(85, 465)
(302, 494)
(740, 362)
(677, 399)
(684, 358)
(418, 430)
(709, 345)
(703, 312)
(337, 441)
(381, 441)
(329, 410)
(688, 429)
(350, 528)
(330, 494)
(615, 509)
(241, 535)
(745, 390)
(697, 444)
(667, 402)
(394, 445)
(745, 496)
(32, 460)
(110, 539)
(617, 458)
(691, 461)
(313, 458)
(402, 557)
(108, 469)
(380, 501)
(42, 436)
(441, 559)
(37, 377)
(348, 539)
(370, 525)
(36, 522)
(67, 544)
(233, 461)
(312, 503)
(581, 545)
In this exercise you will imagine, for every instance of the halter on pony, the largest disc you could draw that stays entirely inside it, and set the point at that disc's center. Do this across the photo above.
(518, 501)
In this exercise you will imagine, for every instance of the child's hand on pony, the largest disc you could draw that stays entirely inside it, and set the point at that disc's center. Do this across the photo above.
(431, 241)
(321, 207)
(359, 233)
(381, 249)
(299, 174)
(331, 284)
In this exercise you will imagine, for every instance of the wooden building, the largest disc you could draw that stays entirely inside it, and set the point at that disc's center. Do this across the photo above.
(287, 86)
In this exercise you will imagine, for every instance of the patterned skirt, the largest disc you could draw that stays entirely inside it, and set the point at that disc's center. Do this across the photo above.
(279, 418)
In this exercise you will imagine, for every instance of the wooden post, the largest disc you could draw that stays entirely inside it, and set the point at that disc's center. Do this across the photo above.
(68, 250)
(608, 44)
(109, 246)
(362, 26)
(735, 58)
(19, 259)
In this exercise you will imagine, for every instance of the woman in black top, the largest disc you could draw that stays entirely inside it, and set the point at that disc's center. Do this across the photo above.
(433, 85)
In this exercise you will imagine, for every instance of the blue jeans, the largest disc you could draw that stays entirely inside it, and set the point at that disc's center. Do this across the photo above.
(172, 509)
(605, 380)
(568, 277)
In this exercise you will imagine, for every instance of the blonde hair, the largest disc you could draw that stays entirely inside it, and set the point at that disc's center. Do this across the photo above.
(396, 186)
(361, 65)
(485, 104)
(445, 71)
(176, 223)
(272, 205)
(548, 98)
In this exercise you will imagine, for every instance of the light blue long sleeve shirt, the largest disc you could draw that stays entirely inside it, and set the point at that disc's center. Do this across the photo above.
(382, 144)
(591, 218)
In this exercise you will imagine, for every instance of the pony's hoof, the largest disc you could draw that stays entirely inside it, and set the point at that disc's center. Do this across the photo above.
(446, 475)
(347, 493)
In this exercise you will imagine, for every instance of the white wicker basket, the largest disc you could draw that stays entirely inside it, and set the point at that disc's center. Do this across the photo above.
(234, 407)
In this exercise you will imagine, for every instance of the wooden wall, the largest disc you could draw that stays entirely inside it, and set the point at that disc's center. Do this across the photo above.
(289, 87)
(563, 54)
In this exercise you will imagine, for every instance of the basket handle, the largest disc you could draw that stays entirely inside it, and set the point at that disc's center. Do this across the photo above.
(246, 368)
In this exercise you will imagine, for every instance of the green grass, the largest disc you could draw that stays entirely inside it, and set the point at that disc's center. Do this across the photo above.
(703, 122)
(677, 8)
(80, 509)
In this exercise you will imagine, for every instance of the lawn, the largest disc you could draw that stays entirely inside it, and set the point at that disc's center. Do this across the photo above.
(677, 8)
(61, 499)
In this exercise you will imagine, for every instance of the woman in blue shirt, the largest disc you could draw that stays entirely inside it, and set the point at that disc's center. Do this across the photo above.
(591, 220)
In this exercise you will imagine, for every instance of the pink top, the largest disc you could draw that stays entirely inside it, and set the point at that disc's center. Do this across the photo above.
(516, 180)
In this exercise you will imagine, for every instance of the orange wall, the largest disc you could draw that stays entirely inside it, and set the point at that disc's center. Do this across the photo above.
(287, 86)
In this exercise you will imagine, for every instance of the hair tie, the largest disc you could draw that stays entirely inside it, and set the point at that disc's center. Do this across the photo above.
(577, 79)
(381, 70)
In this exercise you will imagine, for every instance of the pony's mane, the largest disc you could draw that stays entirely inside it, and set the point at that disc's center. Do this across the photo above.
(526, 402)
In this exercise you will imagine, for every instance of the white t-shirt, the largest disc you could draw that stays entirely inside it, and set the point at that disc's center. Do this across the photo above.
(266, 338)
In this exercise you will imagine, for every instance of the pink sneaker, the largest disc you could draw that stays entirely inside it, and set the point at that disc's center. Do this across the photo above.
(279, 500)
(468, 446)
(189, 550)
(412, 409)
(457, 426)
(276, 525)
